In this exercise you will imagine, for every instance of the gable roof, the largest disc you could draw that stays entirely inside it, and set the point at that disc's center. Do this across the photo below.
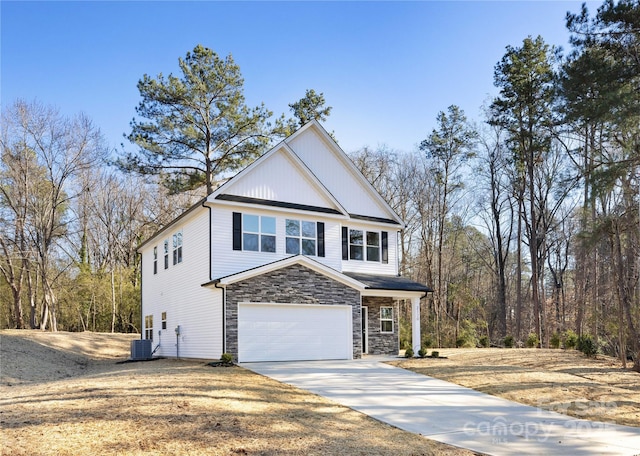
(300, 190)
(360, 184)
(331, 207)
(255, 183)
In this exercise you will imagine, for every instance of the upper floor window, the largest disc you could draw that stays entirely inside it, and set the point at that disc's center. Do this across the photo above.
(356, 245)
(300, 237)
(155, 260)
(373, 246)
(166, 254)
(258, 233)
(177, 248)
(360, 245)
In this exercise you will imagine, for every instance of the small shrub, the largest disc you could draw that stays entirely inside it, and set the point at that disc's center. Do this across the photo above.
(467, 337)
(428, 342)
(508, 342)
(555, 340)
(422, 352)
(484, 341)
(226, 358)
(587, 346)
(570, 339)
(435, 354)
(532, 340)
(408, 353)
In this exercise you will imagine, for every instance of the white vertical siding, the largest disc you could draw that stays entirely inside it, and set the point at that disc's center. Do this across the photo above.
(279, 179)
(178, 292)
(333, 173)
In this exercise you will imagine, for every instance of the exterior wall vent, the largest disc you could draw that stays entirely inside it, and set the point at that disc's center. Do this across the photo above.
(140, 349)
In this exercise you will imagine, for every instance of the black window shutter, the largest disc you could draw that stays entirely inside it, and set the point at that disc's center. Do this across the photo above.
(345, 243)
(320, 228)
(237, 231)
(385, 247)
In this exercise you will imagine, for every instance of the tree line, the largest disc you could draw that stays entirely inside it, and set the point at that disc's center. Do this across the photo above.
(526, 224)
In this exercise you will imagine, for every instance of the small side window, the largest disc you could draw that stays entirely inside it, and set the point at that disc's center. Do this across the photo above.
(164, 320)
(148, 327)
(177, 248)
(155, 260)
(386, 319)
(166, 254)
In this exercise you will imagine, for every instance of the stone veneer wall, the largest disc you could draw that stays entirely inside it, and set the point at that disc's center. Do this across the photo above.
(294, 284)
(381, 343)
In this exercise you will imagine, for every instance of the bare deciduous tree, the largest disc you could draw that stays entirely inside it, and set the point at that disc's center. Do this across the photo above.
(61, 148)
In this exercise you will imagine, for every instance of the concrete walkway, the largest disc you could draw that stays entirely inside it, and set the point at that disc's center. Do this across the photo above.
(450, 413)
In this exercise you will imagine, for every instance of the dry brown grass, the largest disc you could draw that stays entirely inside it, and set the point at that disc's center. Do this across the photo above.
(64, 394)
(564, 381)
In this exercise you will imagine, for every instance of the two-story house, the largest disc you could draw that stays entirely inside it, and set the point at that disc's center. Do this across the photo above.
(294, 258)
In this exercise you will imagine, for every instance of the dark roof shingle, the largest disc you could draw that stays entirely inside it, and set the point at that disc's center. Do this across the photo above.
(383, 282)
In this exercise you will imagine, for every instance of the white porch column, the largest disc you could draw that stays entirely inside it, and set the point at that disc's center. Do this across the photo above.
(415, 325)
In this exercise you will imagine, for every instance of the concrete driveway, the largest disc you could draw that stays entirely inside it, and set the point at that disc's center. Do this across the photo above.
(450, 413)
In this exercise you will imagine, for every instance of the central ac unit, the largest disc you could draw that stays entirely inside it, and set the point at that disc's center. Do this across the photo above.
(140, 349)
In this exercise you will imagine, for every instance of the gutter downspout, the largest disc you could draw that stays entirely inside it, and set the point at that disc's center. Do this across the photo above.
(210, 225)
(398, 250)
(224, 290)
(224, 316)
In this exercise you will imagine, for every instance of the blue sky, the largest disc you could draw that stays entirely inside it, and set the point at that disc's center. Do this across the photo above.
(386, 68)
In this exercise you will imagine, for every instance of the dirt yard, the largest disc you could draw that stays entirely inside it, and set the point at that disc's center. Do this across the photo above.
(564, 381)
(64, 394)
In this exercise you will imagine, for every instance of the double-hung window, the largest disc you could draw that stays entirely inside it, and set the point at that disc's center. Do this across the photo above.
(177, 248)
(365, 245)
(300, 237)
(258, 233)
(373, 246)
(148, 327)
(356, 245)
(386, 319)
(164, 320)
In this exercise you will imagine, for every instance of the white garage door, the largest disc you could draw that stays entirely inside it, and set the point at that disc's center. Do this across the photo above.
(290, 332)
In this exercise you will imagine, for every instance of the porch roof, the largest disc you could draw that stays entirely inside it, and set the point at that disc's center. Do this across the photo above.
(385, 282)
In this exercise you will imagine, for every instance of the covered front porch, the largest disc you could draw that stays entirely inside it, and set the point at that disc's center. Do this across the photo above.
(380, 312)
